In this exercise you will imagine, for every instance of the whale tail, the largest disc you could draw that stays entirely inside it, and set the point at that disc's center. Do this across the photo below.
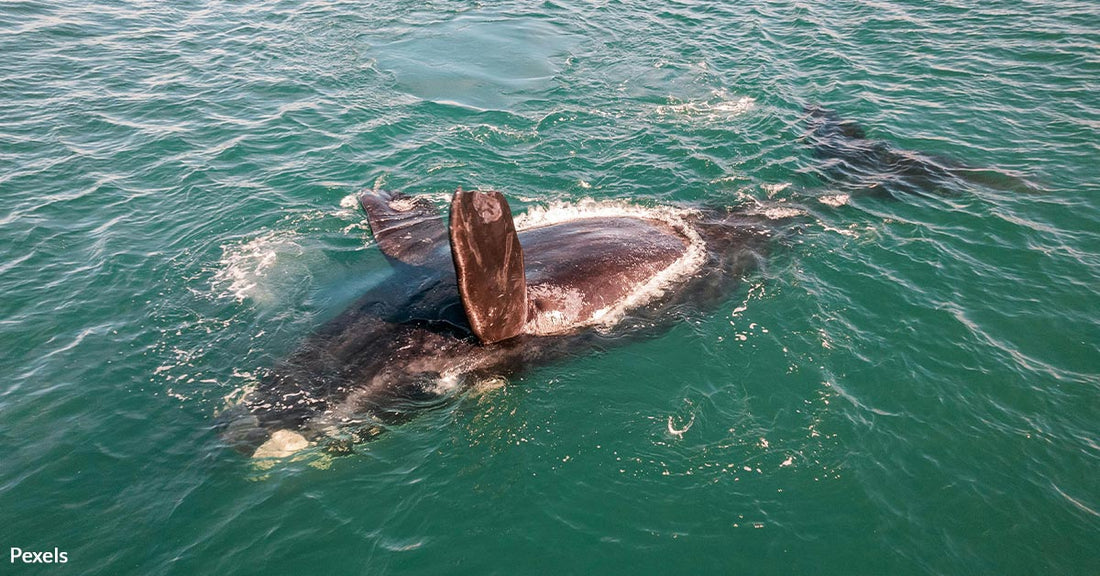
(488, 263)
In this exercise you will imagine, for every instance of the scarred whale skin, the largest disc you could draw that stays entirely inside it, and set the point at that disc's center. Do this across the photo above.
(406, 345)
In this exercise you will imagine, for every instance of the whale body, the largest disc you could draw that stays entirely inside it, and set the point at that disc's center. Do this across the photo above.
(485, 298)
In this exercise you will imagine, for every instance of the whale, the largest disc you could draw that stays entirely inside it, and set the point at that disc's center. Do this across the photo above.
(486, 296)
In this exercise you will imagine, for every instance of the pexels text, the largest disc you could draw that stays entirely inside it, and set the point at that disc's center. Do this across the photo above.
(20, 556)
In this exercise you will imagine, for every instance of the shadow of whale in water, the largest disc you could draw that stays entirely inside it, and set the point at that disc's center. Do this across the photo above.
(878, 168)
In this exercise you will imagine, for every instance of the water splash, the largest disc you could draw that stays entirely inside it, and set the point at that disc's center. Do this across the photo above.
(720, 106)
(244, 267)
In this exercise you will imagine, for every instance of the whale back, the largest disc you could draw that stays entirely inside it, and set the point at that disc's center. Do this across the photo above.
(554, 278)
(586, 271)
(547, 279)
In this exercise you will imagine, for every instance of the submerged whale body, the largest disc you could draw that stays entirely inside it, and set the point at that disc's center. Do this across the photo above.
(488, 297)
(878, 168)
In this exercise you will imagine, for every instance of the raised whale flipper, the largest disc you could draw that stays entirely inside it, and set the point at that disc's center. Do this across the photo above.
(489, 264)
(408, 229)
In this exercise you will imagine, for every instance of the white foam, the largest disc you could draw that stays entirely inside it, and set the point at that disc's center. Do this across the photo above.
(486, 385)
(834, 200)
(243, 267)
(781, 212)
(679, 432)
(851, 233)
(350, 202)
(558, 212)
(720, 105)
(773, 189)
(682, 268)
(349, 210)
(447, 382)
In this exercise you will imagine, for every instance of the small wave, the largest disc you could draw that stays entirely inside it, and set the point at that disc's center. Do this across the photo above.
(483, 133)
(445, 166)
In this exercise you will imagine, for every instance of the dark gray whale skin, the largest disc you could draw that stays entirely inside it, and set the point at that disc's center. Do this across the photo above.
(380, 361)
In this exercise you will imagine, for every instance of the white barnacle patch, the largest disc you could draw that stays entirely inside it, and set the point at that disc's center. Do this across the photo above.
(403, 203)
(553, 317)
(282, 443)
(558, 309)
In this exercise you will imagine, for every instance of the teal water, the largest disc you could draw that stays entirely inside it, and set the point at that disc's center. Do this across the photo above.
(908, 386)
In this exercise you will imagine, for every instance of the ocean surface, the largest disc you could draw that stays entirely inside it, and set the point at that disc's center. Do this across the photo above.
(909, 384)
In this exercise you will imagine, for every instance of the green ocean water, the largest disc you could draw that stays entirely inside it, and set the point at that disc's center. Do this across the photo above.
(907, 386)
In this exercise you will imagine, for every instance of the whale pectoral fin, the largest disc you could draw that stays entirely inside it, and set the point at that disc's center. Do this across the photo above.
(408, 229)
(488, 264)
